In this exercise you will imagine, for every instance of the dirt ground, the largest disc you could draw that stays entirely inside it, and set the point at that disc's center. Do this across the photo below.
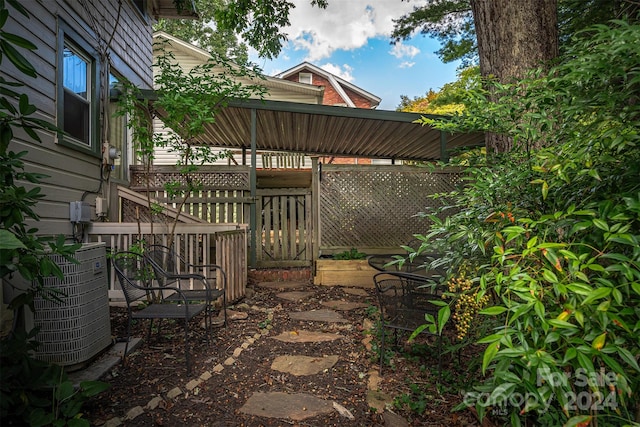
(422, 397)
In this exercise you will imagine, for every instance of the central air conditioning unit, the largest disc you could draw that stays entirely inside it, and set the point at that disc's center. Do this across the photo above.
(76, 329)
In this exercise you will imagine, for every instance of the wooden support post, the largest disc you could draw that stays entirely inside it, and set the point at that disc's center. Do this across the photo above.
(444, 156)
(253, 184)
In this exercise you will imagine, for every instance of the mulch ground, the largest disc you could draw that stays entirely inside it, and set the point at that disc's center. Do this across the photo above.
(423, 398)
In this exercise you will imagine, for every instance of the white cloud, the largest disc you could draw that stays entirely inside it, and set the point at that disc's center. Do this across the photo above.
(344, 24)
(406, 64)
(345, 71)
(400, 50)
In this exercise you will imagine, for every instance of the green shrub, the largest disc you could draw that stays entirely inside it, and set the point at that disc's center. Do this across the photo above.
(353, 253)
(553, 230)
(32, 392)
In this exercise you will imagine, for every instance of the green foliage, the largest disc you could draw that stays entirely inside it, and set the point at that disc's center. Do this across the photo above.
(449, 100)
(259, 22)
(416, 400)
(31, 392)
(553, 229)
(186, 101)
(200, 32)
(22, 251)
(352, 253)
(451, 22)
(373, 313)
(36, 393)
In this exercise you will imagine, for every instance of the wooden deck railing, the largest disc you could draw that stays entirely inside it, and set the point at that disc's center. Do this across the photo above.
(222, 244)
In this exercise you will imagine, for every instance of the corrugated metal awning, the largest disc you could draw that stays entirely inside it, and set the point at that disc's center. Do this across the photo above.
(331, 131)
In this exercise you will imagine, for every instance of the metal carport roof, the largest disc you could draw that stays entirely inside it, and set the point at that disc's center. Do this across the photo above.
(329, 130)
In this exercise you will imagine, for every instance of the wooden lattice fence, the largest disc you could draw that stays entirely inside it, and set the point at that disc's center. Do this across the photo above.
(369, 207)
(222, 197)
(375, 207)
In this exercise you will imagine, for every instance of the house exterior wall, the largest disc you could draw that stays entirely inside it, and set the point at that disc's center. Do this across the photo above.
(73, 174)
(359, 100)
(188, 59)
(332, 160)
(331, 96)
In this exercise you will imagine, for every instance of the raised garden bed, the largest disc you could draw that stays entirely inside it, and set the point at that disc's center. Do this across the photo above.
(351, 272)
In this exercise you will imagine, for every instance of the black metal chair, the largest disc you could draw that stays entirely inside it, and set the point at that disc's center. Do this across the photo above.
(135, 276)
(420, 264)
(403, 301)
(173, 270)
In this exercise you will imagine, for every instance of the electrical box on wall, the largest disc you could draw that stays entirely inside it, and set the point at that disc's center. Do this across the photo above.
(109, 154)
(79, 212)
(101, 207)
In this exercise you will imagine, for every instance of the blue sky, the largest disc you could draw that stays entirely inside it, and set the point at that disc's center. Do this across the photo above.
(351, 39)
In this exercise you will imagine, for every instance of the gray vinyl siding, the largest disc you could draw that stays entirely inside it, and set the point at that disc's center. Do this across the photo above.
(72, 173)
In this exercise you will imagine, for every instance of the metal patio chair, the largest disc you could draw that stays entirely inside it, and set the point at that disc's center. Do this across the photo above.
(419, 265)
(173, 270)
(403, 301)
(135, 275)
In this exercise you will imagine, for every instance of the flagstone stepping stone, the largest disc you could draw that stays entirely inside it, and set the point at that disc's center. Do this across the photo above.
(295, 296)
(329, 316)
(378, 400)
(355, 291)
(307, 336)
(231, 315)
(282, 285)
(297, 406)
(344, 305)
(234, 315)
(392, 419)
(374, 381)
(303, 365)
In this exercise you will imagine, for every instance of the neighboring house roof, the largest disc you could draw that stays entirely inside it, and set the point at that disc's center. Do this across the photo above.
(338, 83)
(279, 89)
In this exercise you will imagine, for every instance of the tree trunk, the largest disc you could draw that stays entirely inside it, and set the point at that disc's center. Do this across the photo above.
(514, 36)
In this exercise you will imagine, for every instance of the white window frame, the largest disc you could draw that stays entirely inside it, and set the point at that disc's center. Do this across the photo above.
(306, 78)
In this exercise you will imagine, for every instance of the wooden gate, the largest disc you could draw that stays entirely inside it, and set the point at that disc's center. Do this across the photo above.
(284, 226)
(283, 206)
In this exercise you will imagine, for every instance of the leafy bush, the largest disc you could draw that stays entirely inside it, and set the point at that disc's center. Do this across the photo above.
(553, 230)
(31, 392)
(352, 253)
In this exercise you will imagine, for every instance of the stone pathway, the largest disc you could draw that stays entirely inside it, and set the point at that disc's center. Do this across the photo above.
(300, 406)
(292, 406)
